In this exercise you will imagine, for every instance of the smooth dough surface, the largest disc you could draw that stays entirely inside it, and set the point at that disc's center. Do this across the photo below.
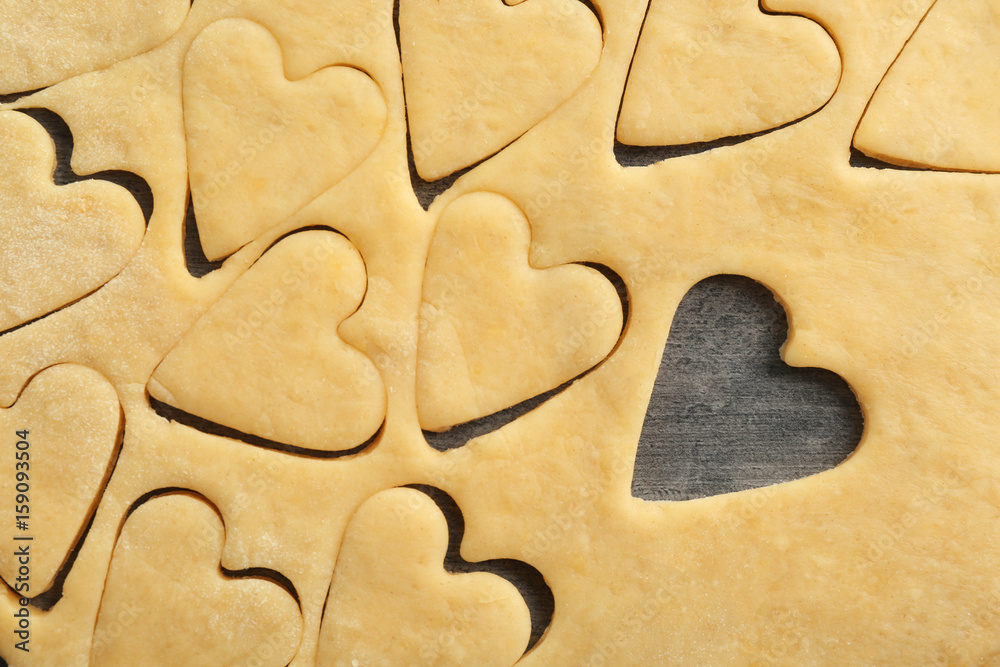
(479, 73)
(707, 70)
(41, 44)
(890, 278)
(493, 330)
(393, 603)
(937, 106)
(57, 243)
(267, 360)
(70, 417)
(242, 118)
(167, 602)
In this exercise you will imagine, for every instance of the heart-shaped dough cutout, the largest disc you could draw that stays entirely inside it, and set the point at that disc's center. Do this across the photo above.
(39, 47)
(57, 243)
(266, 359)
(939, 104)
(392, 602)
(720, 364)
(478, 73)
(261, 147)
(59, 441)
(168, 602)
(721, 68)
(493, 330)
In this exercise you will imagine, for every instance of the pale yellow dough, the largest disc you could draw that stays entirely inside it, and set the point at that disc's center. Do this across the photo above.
(57, 243)
(242, 119)
(266, 359)
(890, 278)
(392, 603)
(720, 68)
(939, 104)
(493, 330)
(478, 73)
(43, 43)
(70, 418)
(167, 602)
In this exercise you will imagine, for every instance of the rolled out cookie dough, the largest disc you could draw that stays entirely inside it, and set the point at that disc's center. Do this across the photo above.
(890, 278)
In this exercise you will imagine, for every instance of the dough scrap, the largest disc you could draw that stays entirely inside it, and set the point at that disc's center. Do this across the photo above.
(249, 132)
(70, 417)
(393, 603)
(938, 105)
(480, 73)
(167, 602)
(57, 243)
(267, 360)
(493, 330)
(708, 70)
(43, 44)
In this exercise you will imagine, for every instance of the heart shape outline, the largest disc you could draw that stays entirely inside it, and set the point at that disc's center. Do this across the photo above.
(246, 141)
(457, 112)
(71, 422)
(76, 237)
(392, 556)
(156, 526)
(300, 388)
(690, 43)
(926, 112)
(705, 407)
(468, 350)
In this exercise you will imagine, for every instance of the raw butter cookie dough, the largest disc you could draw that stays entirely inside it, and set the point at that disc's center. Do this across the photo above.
(235, 469)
